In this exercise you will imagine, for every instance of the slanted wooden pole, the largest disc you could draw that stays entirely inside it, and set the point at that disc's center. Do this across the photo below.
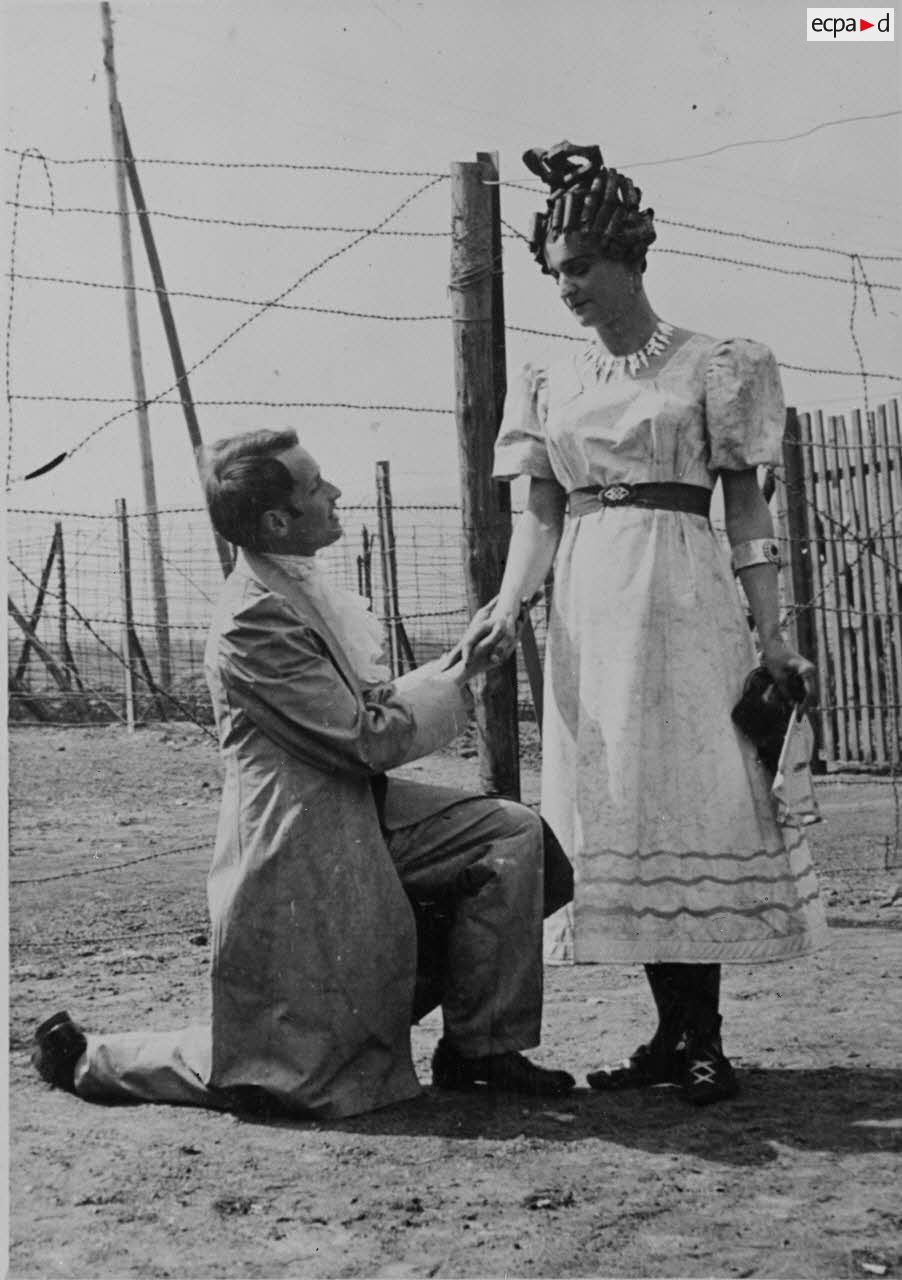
(154, 542)
(223, 549)
(40, 649)
(475, 251)
(128, 622)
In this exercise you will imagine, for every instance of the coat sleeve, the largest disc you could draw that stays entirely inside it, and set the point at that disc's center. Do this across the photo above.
(277, 669)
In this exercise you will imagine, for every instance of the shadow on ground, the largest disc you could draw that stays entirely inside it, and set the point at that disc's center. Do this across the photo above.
(834, 1109)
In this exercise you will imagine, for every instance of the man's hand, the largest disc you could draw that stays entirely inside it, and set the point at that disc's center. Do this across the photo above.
(794, 676)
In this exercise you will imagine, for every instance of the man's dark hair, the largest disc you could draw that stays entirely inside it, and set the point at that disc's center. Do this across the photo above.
(243, 478)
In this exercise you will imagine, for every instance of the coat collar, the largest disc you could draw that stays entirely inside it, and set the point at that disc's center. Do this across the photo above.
(264, 570)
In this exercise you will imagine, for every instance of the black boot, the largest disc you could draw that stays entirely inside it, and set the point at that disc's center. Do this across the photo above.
(58, 1044)
(661, 1061)
(708, 1074)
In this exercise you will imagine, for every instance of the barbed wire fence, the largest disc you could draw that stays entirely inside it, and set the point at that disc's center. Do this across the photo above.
(79, 624)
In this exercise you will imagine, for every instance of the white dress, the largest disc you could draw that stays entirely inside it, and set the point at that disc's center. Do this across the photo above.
(658, 799)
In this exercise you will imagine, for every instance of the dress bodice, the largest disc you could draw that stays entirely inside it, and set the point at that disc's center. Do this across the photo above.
(712, 405)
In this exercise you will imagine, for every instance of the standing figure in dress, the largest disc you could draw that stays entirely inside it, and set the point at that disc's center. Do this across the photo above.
(663, 806)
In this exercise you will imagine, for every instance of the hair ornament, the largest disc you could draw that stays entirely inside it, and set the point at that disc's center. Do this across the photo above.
(588, 198)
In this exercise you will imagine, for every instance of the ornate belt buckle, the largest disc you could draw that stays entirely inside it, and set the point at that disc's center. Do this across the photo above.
(615, 495)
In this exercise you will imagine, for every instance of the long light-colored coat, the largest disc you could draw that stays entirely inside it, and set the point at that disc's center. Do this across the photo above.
(314, 947)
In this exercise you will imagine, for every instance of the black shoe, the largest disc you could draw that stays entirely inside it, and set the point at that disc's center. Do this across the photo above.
(504, 1072)
(646, 1067)
(59, 1043)
(709, 1075)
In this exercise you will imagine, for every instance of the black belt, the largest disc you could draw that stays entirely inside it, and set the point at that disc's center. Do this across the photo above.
(694, 499)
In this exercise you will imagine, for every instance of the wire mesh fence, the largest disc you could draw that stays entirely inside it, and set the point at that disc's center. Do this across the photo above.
(76, 671)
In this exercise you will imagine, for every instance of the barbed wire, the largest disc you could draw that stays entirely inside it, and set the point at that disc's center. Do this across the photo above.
(233, 333)
(202, 511)
(112, 866)
(196, 295)
(857, 267)
(534, 188)
(386, 316)
(249, 223)
(783, 271)
(92, 940)
(262, 404)
(781, 244)
(514, 234)
(240, 164)
(30, 152)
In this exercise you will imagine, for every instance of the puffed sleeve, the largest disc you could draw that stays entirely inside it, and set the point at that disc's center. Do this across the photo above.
(744, 406)
(520, 448)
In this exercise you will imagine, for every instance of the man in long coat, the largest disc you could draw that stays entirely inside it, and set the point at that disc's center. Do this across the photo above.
(319, 854)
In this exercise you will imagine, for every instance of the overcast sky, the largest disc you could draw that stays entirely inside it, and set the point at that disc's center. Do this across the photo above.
(404, 85)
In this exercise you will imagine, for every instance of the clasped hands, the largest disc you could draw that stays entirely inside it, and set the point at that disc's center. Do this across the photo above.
(489, 640)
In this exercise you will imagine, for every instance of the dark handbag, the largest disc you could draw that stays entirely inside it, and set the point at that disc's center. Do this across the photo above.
(763, 715)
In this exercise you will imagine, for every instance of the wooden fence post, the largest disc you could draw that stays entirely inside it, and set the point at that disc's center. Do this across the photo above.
(154, 541)
(365, 566)
(475, 250)
(63, 621)
(800, 590)
(125, 585)
(400, 650)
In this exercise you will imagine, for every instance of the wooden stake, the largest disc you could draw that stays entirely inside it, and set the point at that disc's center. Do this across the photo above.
(128, 625)
(154, 542)
(486, 523)
(63, 621)
(799, 590)
(389, 567)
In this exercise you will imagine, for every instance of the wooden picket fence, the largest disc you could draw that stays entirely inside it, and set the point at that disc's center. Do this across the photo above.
(840, 509)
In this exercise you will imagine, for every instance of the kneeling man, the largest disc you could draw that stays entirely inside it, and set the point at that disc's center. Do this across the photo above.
(323, 863)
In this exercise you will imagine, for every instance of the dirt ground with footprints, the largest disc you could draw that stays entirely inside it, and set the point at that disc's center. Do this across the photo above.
(797, 1177)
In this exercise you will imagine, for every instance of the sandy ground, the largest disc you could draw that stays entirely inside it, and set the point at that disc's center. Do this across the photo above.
(797, 1177)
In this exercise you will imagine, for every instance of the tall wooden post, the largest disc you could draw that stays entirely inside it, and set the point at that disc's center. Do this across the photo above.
(154, 543)
(125, 590)
(389, 562)
(485, 508)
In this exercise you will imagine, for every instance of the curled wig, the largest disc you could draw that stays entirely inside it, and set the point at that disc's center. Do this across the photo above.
(592, 200)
